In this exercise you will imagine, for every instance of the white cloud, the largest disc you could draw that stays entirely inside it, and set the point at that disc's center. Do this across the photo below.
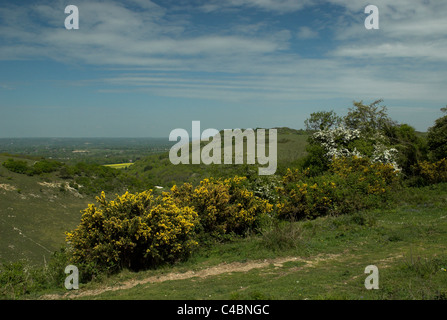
(112, 33)
(278, 6)
(305, 33)
(415, 29)
(394, 63)
(146, 4)
(429, 51)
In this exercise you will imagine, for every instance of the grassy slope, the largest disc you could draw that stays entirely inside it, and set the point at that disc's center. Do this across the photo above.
(34, 215)
(158, 170)
(406, 242)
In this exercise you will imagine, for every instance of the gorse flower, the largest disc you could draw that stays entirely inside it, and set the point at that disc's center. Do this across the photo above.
(224, 206)
(433, 172)
(141, 230)
(133, 230)
(350, 184)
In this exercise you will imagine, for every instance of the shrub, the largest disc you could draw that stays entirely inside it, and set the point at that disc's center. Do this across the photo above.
(433, 172)
(306, 198)
(17, 166)
(378, 173)
(223, 206)
(315, 160)
(351, 184)
(366, 131)
(39, 167)
(437, 138)
(133, 231)
(341, 142)
(20, 277)
(411, 147)
(14, 279)
(46, 166)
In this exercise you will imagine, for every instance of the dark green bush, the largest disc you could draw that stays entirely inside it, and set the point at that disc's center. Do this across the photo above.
(437, 139)
(19, 278)
(17, 166)
(46, 166)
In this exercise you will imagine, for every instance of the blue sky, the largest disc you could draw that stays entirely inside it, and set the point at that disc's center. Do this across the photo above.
(141, 68)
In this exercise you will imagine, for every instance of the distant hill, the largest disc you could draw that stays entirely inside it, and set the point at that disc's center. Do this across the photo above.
(158, 170)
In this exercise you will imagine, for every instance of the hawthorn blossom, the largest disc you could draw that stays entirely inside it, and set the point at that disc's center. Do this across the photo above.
(384, 154)
(335, 142)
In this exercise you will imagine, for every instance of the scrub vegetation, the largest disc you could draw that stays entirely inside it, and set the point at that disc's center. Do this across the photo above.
(349, 192)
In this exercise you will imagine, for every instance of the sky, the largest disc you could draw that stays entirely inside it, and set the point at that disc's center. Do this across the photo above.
(140, 68)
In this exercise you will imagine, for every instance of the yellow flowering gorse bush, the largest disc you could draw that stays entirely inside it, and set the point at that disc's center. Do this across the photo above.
(351, 184)
(140, 230)
(134, 231)
(433, 172)
(224, 206)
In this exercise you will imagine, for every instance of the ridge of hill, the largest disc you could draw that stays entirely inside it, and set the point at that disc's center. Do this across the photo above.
(157, 170)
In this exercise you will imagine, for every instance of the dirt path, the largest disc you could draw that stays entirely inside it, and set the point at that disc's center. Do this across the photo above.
(212, 271)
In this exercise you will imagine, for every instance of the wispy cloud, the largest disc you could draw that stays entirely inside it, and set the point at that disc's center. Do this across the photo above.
(5, 87)
(305, 33)
(415, 30)
(247, 60)
(115, 34)
(278, 6)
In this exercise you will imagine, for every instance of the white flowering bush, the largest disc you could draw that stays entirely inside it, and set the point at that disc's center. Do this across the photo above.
(336, 141)
(366, 131)
(341, 142)
(385, 155)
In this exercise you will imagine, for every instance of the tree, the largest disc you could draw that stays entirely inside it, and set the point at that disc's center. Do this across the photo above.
(411, 147)
(322, 120)
(361, 133)
(437, 138)
(369, 119)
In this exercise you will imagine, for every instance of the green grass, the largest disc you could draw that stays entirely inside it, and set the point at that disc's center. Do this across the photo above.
(405, 241)
(158, 170)
(35, 212)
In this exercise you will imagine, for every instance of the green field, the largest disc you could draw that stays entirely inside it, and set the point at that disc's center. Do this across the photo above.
(90, 150)
(119, 165)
